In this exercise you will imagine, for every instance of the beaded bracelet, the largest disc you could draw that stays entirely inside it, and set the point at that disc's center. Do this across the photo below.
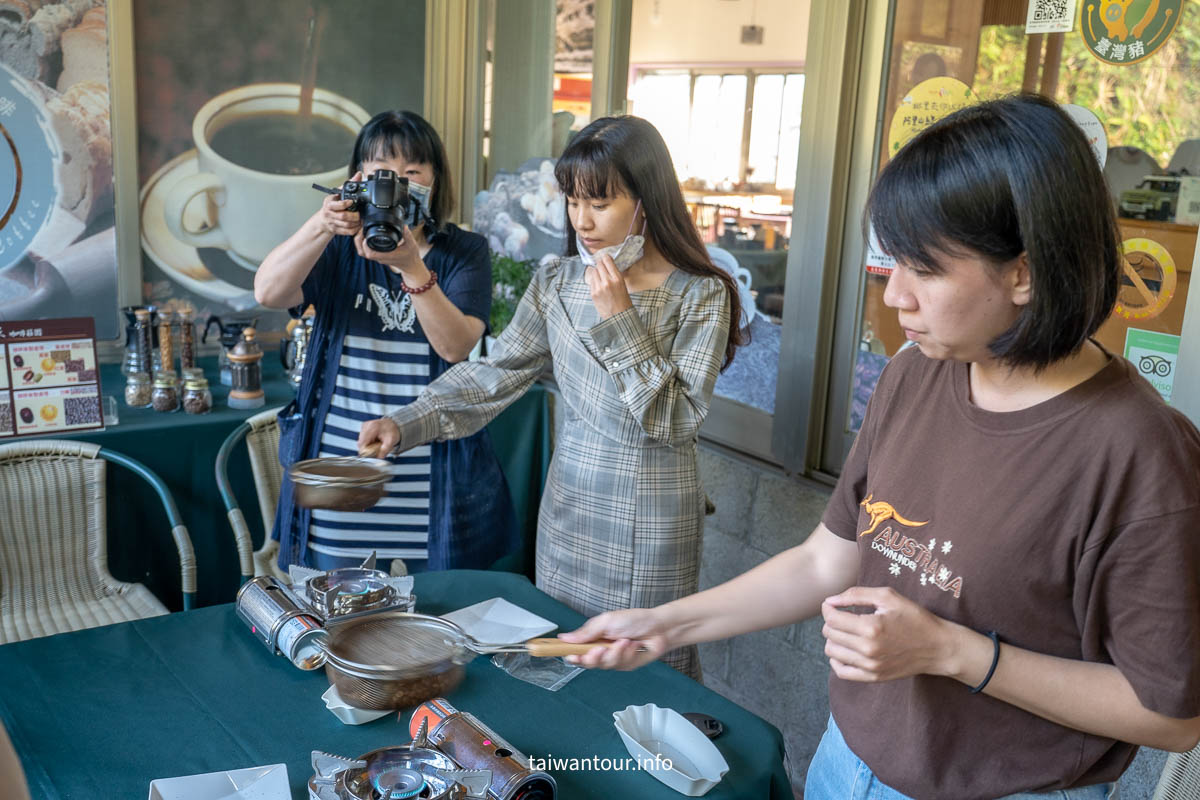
(995, 660)
(425, 287)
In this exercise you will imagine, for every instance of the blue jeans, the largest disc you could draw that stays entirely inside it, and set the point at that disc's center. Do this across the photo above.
(835, 773)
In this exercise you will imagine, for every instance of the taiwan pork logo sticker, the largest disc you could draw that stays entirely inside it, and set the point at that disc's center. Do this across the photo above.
(1128, 31)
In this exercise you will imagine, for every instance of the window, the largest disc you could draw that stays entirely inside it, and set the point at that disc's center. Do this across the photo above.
(717, 139)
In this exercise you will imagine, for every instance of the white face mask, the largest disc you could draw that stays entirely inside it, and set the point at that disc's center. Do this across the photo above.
(625, 254)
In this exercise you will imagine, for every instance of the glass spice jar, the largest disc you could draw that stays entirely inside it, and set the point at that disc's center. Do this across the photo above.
(137, 390)
(165, 396)
(187, 342)
(143, 358)
(197, 399)
(165, 349)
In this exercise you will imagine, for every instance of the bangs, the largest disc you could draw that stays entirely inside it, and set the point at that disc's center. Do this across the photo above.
(393, 142)
(589, 171)
(941, 197)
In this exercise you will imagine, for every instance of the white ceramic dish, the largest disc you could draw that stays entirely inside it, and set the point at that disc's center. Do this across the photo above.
(346, 712)
(655, 735)
(253, 783)
(498, 621)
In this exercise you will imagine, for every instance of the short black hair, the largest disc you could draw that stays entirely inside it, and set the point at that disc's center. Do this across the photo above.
(407, 134)
(1005, 177)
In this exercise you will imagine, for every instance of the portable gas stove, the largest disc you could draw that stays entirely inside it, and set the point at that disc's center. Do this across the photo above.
(353, 590)
(349, 591)
(461, 759)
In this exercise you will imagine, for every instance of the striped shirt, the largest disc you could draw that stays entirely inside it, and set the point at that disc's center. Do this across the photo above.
(447, 505)
(377, 372)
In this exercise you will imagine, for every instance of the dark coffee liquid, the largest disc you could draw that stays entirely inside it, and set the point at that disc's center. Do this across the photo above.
(281, 145)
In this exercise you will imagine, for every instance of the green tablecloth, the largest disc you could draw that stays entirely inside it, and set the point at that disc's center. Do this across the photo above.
(182, 449)
(102, 712)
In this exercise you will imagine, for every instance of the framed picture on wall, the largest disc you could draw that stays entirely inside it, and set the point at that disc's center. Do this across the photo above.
(58, 251)
(241, 107)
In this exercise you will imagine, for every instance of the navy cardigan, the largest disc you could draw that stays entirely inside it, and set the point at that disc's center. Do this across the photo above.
(472, 522)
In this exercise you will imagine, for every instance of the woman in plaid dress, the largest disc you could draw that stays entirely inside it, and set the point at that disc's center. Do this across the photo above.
(635, 324)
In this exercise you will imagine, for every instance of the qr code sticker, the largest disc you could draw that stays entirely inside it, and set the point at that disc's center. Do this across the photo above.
(1050, 16)
(81, 410)
(5, 418)
(1049, 10)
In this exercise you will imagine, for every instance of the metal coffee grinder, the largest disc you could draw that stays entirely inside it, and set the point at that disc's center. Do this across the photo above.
(294, 347)
(230, 332)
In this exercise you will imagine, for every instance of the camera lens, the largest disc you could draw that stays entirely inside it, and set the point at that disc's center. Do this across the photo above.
(382, 238)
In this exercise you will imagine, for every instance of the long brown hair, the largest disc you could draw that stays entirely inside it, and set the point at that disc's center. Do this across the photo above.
(627, 154)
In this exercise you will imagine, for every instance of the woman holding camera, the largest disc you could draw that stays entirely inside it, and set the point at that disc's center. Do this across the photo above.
(1007, 569)
(635, 323)
(387, 323)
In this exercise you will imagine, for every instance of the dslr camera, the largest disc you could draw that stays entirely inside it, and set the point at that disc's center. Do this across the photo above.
(386, 206)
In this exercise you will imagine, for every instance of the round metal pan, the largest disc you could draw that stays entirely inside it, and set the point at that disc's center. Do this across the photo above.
(339, 484)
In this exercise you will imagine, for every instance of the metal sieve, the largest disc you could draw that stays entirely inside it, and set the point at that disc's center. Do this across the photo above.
(395, 659)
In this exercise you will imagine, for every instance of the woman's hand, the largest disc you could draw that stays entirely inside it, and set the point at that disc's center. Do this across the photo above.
(608, 287)
(337, 216)
(381, 435)
(898, 640)
(405, 260)
(638, 635)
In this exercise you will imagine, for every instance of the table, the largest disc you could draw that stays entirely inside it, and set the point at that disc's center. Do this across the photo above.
(101, 712)
(182, 449)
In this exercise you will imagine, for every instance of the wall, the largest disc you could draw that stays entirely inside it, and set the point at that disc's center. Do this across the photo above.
(699, 31)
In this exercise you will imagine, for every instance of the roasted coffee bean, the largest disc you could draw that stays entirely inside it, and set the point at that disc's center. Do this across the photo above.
(81, 410)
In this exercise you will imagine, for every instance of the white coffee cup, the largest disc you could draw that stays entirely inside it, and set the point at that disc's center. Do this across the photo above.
(250, 211)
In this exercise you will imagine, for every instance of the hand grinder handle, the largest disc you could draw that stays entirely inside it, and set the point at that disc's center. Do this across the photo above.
(548, 648)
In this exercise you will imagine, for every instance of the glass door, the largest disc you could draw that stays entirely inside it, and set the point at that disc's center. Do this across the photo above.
(1129, 73)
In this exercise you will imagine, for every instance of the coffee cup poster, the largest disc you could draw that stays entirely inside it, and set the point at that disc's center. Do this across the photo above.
(230, 141)
(58, 253)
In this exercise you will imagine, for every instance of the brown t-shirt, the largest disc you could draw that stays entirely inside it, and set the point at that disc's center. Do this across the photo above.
(1069, 528)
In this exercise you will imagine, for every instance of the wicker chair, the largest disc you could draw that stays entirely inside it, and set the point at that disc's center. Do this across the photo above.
(261, 433)
(53, 542)
(1180, 779)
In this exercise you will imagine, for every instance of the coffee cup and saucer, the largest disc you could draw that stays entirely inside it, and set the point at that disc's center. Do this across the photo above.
(211, 214)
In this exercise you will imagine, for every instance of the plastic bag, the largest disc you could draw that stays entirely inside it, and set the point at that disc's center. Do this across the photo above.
(548, 673)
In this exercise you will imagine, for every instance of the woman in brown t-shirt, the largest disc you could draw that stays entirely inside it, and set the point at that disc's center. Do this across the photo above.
(1009, 551)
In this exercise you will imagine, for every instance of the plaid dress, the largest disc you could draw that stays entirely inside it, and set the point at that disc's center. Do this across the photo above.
(621, 517)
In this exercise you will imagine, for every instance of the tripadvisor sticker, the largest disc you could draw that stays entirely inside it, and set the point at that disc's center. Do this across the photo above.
(1154, 355)
(1127, 31)
(1148, 280)
(928, 102)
